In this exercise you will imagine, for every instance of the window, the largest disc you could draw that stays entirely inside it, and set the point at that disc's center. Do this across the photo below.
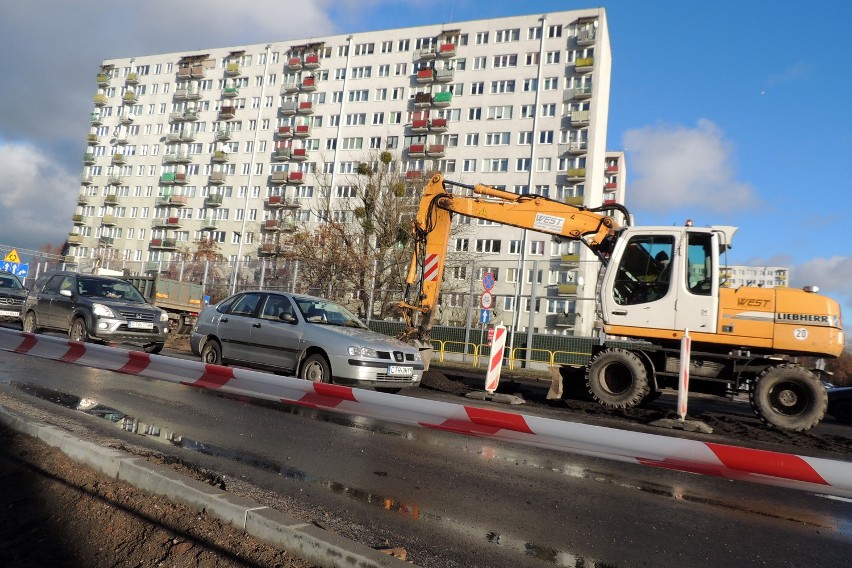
(378, 118)
(477, 88)
(361, 72)
(469, 166)
(643, 273)
(531, 58)
(548, 109)
(479, 63)
(500, 112)
(527, 111)
(525, 138)
(551, 57)
(487, 245)
(474, 114)
(554, 31)
(381, 94)
(522, 165)
(504, 86)
(481, 38)
(545, 137)
(364, 48)
(359, 96)
(534, 33)
(471, 139)
(387, 46)
(461, 245)
(400, 69)
(383, 70)
(403, 45)
(495, 165)
(530, 85)
(498, 138)
(353, 143)
(536, 248)
(543, 164)
(503, 36)
(501, 61)
(357, 119)
(551, 83)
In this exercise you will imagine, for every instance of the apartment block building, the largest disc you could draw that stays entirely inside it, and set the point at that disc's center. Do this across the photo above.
(230, 143)
(737, 275)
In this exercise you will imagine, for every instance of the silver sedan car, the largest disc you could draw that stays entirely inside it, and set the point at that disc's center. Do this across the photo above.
(312, 338)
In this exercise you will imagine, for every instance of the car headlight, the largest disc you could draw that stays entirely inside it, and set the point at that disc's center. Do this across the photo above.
(164, 316)
(103, 311)
(358, 351)
(417, 356)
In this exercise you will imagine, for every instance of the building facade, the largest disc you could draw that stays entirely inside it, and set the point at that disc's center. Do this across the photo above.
(230, 143)
(738, 275)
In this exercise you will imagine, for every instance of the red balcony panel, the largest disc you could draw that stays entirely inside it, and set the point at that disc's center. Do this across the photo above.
(305, 105)
(413, 174)
(416, 148)
(419, 124)
(296, 176)
(300, 152)
(425, 73)
(439, 123)
(312, 59)
(303, 129)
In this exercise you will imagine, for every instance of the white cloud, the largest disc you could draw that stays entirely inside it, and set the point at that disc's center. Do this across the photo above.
(833, 276)
(676, 167)
(38, 198)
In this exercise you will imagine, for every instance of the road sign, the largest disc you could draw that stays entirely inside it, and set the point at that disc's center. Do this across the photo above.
(484, 316)
(19, 270)
(487, 300)
(488, 281)
(13, 256)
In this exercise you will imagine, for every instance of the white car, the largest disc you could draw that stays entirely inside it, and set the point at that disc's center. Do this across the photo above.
(312, 338)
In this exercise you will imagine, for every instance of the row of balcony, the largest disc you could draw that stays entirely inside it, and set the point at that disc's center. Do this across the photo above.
(291, 178)
(427, 100)
(309, 61)
(431, 75)
(299, 130)
(167, 178)
(306, 85)
(435, 125)
(290, 108)
(442, 50)
(424, 150)
(286, 153)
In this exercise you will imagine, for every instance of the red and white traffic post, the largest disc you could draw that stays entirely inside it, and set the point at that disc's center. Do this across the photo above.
(495, 360)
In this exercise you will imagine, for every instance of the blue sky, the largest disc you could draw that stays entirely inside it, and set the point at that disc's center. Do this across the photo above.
(731, 113)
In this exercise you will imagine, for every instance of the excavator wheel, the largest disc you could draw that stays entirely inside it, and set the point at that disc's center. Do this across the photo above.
(617, 378)
(789, 397)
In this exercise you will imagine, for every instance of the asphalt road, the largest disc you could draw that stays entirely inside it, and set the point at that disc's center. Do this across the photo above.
(450, 500)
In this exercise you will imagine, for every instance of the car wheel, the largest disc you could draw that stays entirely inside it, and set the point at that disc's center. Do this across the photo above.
(211, 353)
(30, 325)
(78, 331)
(617, 378)
(789, 397)
(315, 368)
(153, 348)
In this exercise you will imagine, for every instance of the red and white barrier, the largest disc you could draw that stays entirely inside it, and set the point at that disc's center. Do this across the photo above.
(832, 477)
(495, 359)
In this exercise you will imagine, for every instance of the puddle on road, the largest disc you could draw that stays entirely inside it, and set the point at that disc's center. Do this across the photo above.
(412, 510)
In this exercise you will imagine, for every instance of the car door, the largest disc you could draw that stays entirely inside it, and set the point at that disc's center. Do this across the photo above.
(62, 305)
(41, 305)
(276, 333)
(235, 326)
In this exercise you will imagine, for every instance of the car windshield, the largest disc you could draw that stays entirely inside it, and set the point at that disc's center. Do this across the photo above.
(316, 310)
(9, 281)
(110, 289)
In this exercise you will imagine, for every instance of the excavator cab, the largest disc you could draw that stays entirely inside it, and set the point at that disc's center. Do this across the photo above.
(662, 278)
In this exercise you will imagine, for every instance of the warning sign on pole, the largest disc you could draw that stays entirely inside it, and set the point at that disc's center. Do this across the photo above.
(495, 361)
(683, 381)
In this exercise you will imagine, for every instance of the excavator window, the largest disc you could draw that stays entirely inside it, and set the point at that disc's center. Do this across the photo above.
(699, 273)
(644, 272)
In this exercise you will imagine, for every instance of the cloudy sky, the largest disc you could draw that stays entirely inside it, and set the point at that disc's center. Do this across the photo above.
(731, 113)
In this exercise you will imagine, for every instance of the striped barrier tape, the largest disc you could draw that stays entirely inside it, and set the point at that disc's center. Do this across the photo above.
(818, 475)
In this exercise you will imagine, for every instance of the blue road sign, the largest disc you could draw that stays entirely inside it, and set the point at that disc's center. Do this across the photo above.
(16, 268)
(484, 316)
(488, 281)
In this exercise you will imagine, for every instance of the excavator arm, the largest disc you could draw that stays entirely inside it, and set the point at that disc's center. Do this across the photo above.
(432, 233)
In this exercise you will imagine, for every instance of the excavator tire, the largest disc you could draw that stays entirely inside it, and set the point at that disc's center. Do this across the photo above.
(617, 378)
(789, 397)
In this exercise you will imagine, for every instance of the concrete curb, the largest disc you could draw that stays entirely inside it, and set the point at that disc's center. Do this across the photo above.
(273, 527)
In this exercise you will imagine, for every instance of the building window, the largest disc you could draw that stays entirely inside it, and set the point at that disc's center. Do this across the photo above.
(488, 245)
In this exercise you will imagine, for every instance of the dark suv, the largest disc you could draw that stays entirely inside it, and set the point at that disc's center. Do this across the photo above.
(94, 308)
(12, 295)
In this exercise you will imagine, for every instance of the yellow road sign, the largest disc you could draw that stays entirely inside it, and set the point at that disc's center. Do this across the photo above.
(13, 256)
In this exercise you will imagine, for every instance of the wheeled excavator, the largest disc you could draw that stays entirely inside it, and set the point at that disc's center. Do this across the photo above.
(655, 283)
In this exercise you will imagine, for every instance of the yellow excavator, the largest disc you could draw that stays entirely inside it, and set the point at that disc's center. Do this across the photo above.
(656, 282)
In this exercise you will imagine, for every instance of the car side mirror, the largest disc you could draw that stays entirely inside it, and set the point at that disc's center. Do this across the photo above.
(66, 293)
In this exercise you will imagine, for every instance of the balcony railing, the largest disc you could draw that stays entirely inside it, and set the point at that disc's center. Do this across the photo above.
(167, 178)
(281, 154)
(101, 100)
(442, 99)
(447, 50)
(103, 79)
(230, 92)
(218, 178)
(108, 220)
(417, 150)
(227, 112)
(221, 156)
(420, 125)
(444, 75)
(583, 64)
(575, 200)
(312, 61)
(302, 130)
(295, 178)
(580, 117)
(213, 200)
(232, 69)
(438, 125)
(306, 107)
(294, 63)
(289, 108)
(576, 173)
(299, 154)
(426, 75)
(89, 158)
(435, 151)
(582, 92)
(309, 84)
(163, 243)
(422, 100)
(567, 289)
(223, 135)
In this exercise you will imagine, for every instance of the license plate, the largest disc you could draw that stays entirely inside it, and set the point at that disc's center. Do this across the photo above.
(400, 371)
(140, 325)
(9, 313)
